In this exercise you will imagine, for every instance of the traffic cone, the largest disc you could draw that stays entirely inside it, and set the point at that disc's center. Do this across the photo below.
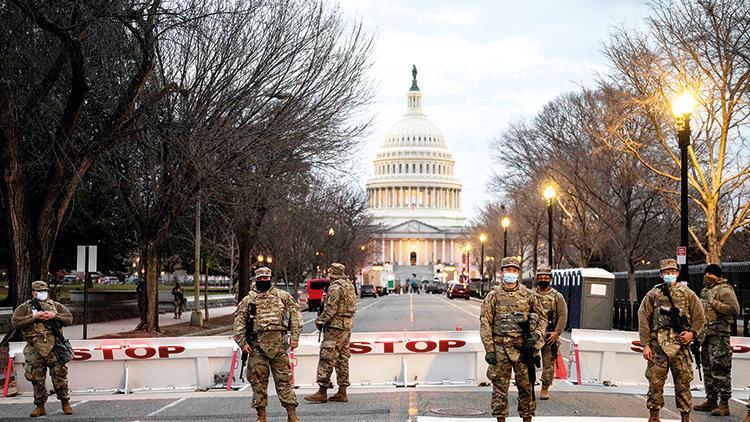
(561, 373)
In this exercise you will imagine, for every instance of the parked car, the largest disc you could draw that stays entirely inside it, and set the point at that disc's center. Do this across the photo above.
(315, 288)
(459, 290)
(110, 280)
(367, 290)
(435, 288)
(70, 279)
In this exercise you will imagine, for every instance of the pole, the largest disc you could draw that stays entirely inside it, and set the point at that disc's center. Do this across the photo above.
(205, 290)
(86, 293)
(196, 319)
(505, 242)
(481, 263)
(549, 233)
(683, 136)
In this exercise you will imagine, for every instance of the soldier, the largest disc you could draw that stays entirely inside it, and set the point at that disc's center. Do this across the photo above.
(504, 310)
(336, 323)
(275, 313)
(35, 326)
(721, 308)
(556, 311)
(665, 346)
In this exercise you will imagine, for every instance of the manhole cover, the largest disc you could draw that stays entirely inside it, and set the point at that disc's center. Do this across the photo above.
(457, 411)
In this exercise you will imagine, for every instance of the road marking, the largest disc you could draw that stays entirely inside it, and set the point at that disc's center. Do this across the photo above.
(413, 410)
(744, 403)
(72, 405)
(174, 403)
(544, 419)
(411, 308)
(462, 309)
(373, 303)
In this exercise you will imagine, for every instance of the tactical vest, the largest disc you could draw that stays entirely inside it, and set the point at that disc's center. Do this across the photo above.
(548, 302)
(269, 311)
(716, 323)
(660, 319)
(37, 333)
(348, 300)
(511, 307)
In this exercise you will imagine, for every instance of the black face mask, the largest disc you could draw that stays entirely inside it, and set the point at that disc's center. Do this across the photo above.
(542, 284)
(262, 285)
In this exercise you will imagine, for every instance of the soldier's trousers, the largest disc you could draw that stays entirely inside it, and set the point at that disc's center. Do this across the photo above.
(716, 355)
(257, 374)
(334, 354)
(36, 373)
(500, 376)
(548, 364)
(682, 375)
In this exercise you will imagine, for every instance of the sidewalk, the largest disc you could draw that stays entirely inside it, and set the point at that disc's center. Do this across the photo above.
(75, 332)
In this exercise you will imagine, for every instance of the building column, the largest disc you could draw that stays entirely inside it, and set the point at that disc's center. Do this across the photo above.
(434, 251)
(391, 251)
(382, 250)
(426, 252)
(442, 255)
(400, 247)
(453, 252)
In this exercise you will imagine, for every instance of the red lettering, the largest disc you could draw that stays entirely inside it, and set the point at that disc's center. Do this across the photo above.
(360, 347)
(429, 346)
(388, 345)
(131, 352)
(81, 354)
(165, 351)
(446, 345)
(108, 351)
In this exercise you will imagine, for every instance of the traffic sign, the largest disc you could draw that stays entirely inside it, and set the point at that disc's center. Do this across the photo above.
(681, 255)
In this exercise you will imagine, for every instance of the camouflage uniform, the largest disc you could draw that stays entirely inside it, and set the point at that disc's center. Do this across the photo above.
(500, 333)
(669, 354)
(721, 307)
(337, 317)
(276, 312)
(552, 302)
(38, 351)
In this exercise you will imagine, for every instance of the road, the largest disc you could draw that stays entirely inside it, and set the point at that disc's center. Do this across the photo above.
(421, 404)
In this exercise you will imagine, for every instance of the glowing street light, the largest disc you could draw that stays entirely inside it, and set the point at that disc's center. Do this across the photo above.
(505, 223)
(261, 258)
(549, 195)
(482, 239)
(682, 108)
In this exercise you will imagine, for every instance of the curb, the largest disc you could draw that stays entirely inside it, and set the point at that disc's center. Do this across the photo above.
(211, 332)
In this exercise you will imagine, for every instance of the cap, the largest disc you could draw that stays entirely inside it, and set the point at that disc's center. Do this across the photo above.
(510, 261)
(336, 269)
(39, 285)
(543, 270)
(668, 264)
(263, 272)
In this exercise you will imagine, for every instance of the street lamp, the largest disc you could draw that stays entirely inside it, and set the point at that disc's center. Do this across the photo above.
(261, 258)
(482, 239)
(682, 108)
(331, 231)
(549, 196)
(269, 260)
(467, 248)
(505, 222)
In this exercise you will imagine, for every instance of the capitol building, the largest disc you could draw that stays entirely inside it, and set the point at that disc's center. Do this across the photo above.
(414, 198)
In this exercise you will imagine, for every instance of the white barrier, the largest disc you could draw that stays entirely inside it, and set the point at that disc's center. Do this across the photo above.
(189, 363)
(608, 356)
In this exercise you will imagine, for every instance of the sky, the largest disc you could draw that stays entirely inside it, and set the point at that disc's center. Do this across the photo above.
(482, 65)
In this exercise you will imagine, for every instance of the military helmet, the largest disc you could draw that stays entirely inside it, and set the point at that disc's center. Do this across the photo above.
(668, 264)
(39, 285)
(263, 272)
(510, 261)
(336, 269)
(543, 270)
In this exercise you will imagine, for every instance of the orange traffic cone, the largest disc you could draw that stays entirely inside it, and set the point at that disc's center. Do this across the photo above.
(561, 373)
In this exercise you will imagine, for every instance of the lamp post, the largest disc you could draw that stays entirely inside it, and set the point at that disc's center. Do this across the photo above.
(549, 195)
(682, 108)
(467, 248)
(482, 239)
(505, 223)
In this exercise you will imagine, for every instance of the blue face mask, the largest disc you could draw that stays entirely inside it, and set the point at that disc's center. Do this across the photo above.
(670, 278)
(510, 278)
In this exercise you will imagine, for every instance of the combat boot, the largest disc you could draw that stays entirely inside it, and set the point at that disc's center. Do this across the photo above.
(747, 417)
(340, 395)
(654, 416)
(261, 415)
(722, 409)
(500, 419)
(544, 394)
(39, 411)
(527, 419)
(319, 396)
(66, 406)
(685, 417)
(291, 414)
(706, 406)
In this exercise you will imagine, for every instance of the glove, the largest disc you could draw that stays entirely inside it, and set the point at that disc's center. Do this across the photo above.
(530, 343)
(319, 325)
(490, 358)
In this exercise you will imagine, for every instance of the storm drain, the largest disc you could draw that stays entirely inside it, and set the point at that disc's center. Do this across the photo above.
(457, 411)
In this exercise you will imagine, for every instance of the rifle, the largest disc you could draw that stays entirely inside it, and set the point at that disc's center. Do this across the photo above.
(551, 326)
(62, 348)
(680, 324)
(321, 309)
(248, 334)
(528, 357)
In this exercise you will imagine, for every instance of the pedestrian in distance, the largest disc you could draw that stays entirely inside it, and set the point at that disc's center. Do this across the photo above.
(721, 308)
(556, 311)
(512, 325)
(336, 323)
(39, 321)
(261, 323)
(669, 319)
(178, 298)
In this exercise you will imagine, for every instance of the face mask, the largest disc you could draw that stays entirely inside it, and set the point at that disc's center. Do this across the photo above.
(670, 278)
(510, 278)
(542, 284)
(42, 295)
(262, 285)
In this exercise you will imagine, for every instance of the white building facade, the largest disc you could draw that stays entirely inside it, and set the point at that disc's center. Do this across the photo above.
(414, 197)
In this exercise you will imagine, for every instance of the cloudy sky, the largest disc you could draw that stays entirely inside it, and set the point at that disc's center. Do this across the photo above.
(482, 64)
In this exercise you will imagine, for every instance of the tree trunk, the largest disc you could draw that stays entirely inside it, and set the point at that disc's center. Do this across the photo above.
(152, 288)
(632, 286)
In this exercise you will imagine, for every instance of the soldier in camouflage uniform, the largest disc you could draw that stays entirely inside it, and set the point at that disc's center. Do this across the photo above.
(502, 309)
(721, 308)
(336, 322)
(556, 311)
(275, 313)
(38, 351)
(664, 348)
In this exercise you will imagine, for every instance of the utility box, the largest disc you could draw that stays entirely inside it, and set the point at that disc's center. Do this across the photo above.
(590, 295)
